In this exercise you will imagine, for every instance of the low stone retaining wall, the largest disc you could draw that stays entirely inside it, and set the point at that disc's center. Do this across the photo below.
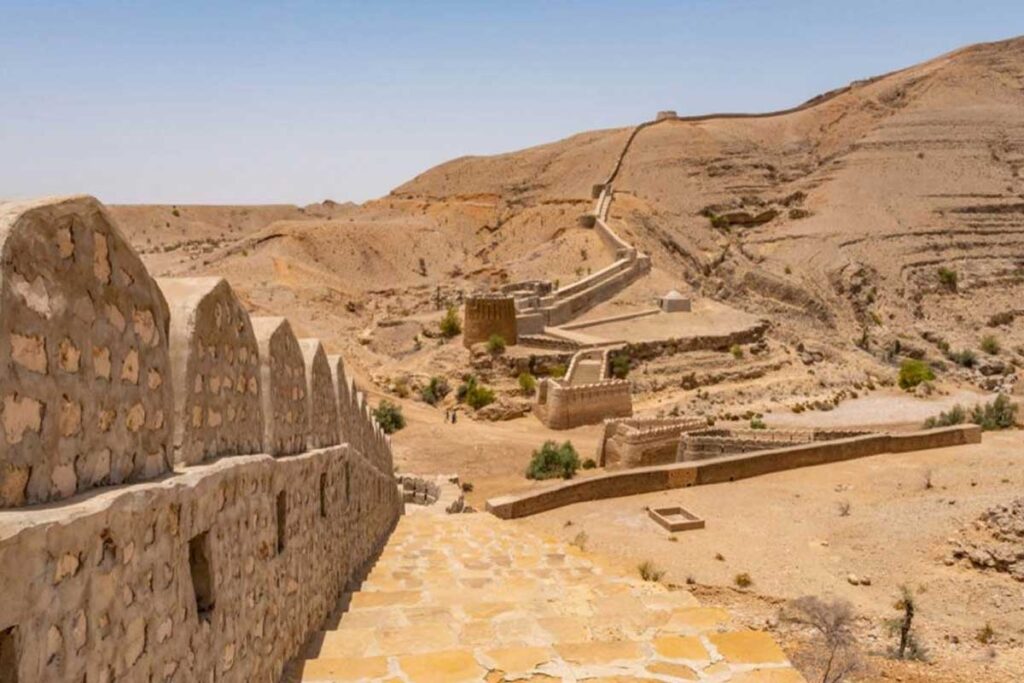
(709, 443)
(729, 468)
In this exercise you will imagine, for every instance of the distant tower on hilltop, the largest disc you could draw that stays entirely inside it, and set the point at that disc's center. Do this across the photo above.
(489, 314)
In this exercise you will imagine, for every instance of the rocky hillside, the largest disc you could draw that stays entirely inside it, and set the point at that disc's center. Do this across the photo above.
(885, 216)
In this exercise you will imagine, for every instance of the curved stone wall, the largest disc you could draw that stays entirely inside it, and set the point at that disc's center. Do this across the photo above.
(84, 393)
(283, 377)
(216, 374)
(321, 396)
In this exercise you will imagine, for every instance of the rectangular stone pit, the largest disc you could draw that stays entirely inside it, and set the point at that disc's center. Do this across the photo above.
(676, 518)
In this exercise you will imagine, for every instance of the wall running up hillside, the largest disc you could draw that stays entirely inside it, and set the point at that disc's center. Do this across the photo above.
(217, 570)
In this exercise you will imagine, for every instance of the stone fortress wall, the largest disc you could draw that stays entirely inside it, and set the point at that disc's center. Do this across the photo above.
(710, 443)
(639, 442)
(282, 487)
(489, 314)
(561, 406)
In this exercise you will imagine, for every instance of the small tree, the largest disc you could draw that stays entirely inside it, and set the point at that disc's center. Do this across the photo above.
(913, 372)
(527, 383)
(389, 416)
(451, 326)
(757, 422)
(551, 461)
(496, 344)
(833, 656)
(737, 351)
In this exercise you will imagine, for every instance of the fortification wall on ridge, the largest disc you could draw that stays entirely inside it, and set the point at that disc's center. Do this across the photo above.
(219, 570)
(85, 392)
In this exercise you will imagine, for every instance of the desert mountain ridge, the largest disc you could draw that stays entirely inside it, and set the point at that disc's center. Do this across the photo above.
(830, 219)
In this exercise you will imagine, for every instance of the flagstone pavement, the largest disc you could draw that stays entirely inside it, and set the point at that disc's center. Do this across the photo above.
(469, 597)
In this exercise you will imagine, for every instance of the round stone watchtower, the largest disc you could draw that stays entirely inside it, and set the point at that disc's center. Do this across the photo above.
(488, 314)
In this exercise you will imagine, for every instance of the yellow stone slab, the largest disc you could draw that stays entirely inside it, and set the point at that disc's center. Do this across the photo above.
(680, 671)
(518, 661)
(681, 647)
(599, 652)
(748, 647)
(349, 669)
(455, 666)
(423, 636)
(696, 620)
(354, 642)
(384, 599)
(565, 629)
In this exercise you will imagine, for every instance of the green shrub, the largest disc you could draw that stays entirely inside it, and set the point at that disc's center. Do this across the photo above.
(473, 394)
(551, 461)
(527, 383)
(451, 326)
(496, 344)
(990, 345)
(913, 372)
(720, 222)
(998, 414)
(435, 390)
(757, 423)
(957, 415)
(948, 278)
(589, 464)
(743, 580)
(558, 370)
(737, 351)
(964, 357)
(389, 416)
(620, 365)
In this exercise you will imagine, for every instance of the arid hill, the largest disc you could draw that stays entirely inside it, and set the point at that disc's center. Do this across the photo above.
(832, 219)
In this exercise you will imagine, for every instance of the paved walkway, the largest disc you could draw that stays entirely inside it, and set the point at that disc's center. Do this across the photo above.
(468, 597)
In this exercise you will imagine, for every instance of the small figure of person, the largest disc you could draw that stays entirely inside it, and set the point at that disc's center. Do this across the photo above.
(454, 415)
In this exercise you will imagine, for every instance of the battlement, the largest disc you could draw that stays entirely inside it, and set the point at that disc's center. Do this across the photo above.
(560, 406)
(710, 443)
(639, 442)
(282, 487)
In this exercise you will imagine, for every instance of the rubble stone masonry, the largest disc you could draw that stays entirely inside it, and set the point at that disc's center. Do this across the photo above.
(217, 570)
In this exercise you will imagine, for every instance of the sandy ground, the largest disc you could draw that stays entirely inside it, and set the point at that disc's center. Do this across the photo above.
(707, 318)
(885, 408)
(786, 531)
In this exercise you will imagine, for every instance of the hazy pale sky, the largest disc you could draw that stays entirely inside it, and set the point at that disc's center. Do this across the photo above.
(265, 102)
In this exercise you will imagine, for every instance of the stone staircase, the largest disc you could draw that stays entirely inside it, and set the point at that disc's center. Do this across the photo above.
(456, 598)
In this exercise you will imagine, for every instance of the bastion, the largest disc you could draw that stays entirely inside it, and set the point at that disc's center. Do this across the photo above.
(487, 315)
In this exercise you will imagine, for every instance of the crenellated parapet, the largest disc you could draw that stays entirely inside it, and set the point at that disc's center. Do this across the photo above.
(246, 484)
(283, 374)
(321, 397)
(85, 392)
(216, 374)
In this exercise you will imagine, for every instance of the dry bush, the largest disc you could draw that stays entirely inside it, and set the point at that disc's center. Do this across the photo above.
(833, 655)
